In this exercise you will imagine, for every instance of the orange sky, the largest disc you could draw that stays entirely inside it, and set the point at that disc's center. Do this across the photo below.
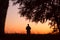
(16, 24)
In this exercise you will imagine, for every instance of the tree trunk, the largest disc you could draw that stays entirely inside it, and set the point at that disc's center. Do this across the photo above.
(58, 28)
(58, 24)
(3, 11)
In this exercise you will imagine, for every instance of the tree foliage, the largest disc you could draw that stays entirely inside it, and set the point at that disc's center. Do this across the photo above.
(40, 10)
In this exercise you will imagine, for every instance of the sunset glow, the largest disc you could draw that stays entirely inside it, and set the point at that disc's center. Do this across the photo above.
(16, 24)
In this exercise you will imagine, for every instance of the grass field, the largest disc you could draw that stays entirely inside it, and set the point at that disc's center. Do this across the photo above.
(31, 37)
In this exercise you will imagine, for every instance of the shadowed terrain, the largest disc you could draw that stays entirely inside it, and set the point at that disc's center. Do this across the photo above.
(31, 37)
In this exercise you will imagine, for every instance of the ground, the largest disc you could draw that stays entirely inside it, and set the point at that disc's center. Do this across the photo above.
(31, 37)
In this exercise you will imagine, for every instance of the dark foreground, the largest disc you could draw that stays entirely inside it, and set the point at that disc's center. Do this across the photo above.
(31, 37)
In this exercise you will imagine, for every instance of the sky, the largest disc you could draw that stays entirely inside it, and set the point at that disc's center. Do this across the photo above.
(16, 24)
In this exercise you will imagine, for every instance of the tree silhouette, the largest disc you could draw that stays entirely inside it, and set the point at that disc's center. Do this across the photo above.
(35, 10)
(3, 11)
(40, 10)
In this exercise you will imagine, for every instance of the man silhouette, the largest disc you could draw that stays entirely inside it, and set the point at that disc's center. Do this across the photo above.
(28, 28)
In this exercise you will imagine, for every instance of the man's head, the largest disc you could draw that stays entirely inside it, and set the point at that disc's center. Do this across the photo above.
(28, 24)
